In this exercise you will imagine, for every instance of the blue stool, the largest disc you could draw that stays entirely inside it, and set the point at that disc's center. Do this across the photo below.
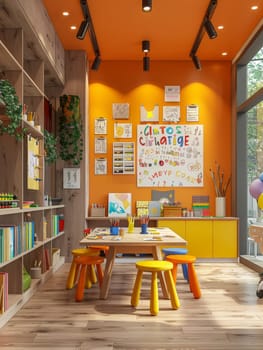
(178, 251)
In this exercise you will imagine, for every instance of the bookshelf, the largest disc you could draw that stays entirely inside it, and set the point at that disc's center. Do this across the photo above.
(35, 68)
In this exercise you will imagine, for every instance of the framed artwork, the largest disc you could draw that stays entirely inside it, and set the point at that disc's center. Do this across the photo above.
(100, 145)
(100, 126)
(192, 113)
(120, 110)
(122, 130)
(119, 204)
(149, 115)
(71, 178)
(100, 166)
(172, 93)
(171, 113)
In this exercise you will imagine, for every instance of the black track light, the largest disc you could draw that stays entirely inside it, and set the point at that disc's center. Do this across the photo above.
(146, 5)
(145, 45)
(146, 63)
(210, 29)
(83, 29)
(196, 62)
(96, 63)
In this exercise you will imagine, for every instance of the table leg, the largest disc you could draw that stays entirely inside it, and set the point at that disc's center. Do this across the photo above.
(157, 255)
(107, 273)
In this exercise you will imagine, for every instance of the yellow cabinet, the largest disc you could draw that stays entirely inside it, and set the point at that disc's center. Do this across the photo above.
(177, 226)
(225, 239)
(199, 238)
(207, 237)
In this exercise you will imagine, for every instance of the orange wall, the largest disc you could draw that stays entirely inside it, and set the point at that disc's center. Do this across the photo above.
(120, 82)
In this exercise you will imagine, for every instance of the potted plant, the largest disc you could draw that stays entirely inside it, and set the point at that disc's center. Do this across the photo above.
(70, 129)
(12, 111)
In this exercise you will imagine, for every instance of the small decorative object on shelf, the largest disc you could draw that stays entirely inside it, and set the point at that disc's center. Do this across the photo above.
(8, 200)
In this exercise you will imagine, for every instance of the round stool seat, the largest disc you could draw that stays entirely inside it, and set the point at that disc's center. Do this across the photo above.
(100, 247)
(170, 251)
(84, 251)
(154, 265)
(181, 259)
(88, 260)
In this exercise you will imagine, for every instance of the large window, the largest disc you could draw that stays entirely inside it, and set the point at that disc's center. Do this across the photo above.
(249, 159)
(255, 73)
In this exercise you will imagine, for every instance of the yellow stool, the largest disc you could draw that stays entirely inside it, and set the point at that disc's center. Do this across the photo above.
(154, 266)
(84, 262)
(74, 268)
(189, 261)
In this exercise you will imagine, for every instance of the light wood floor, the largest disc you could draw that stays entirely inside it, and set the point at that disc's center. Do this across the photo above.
(228, 316)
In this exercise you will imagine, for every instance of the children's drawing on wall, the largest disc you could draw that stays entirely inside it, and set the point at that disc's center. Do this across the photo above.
(100, 166)
(149, 116)
(169, 155)
(100, 126)
(122, 130)
(192, 113)
(172, 93)
(119, 204)
(171, 113)
(120, 110)
(71, 178)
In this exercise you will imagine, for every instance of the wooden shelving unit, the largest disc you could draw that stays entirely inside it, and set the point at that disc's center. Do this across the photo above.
(32, 66)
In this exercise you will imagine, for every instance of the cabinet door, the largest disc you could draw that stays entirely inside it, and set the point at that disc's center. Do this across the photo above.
(199, 238)
(178, 226)
(225, 239)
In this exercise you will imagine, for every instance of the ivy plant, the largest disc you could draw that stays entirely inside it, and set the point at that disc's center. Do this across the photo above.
(13, 110)
(50, 146)
(70, 130)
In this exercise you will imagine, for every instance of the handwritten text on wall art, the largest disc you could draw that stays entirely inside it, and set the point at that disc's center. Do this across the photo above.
(169, 155)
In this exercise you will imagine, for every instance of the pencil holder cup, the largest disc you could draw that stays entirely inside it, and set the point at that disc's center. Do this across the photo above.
(131, 227)
(144, 228)
(114, 230)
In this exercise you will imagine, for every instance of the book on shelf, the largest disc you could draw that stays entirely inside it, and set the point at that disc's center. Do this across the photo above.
(3, 292)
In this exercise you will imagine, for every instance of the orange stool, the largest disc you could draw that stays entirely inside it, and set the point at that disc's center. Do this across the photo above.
(189, 261)
(74, 268)
(154, 266)
(103, 248)
(84, 261)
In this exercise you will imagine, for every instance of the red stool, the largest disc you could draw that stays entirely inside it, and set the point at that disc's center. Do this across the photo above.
(189, 261)
(84, 262)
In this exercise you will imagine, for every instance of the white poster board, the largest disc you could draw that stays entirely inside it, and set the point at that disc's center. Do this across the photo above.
(170, 155)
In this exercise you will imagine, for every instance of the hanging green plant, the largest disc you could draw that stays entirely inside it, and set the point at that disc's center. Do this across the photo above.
(12, 110)
(50, 146)
(70, 129)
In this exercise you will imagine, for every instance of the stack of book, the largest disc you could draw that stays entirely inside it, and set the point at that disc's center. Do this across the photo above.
(142, 208)
(201, 205)
(10, 242)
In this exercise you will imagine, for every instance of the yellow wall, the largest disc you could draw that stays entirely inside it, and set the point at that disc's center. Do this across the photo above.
(120, 82)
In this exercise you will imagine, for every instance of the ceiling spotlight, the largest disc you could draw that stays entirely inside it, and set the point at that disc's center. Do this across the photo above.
(196, 62)
(96, 63)
(210, 29)
(145, 45)
(146, 63)
(83, 29)
(146, 5)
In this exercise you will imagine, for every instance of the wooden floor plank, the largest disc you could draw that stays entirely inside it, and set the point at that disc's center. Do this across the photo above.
(228, 315)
